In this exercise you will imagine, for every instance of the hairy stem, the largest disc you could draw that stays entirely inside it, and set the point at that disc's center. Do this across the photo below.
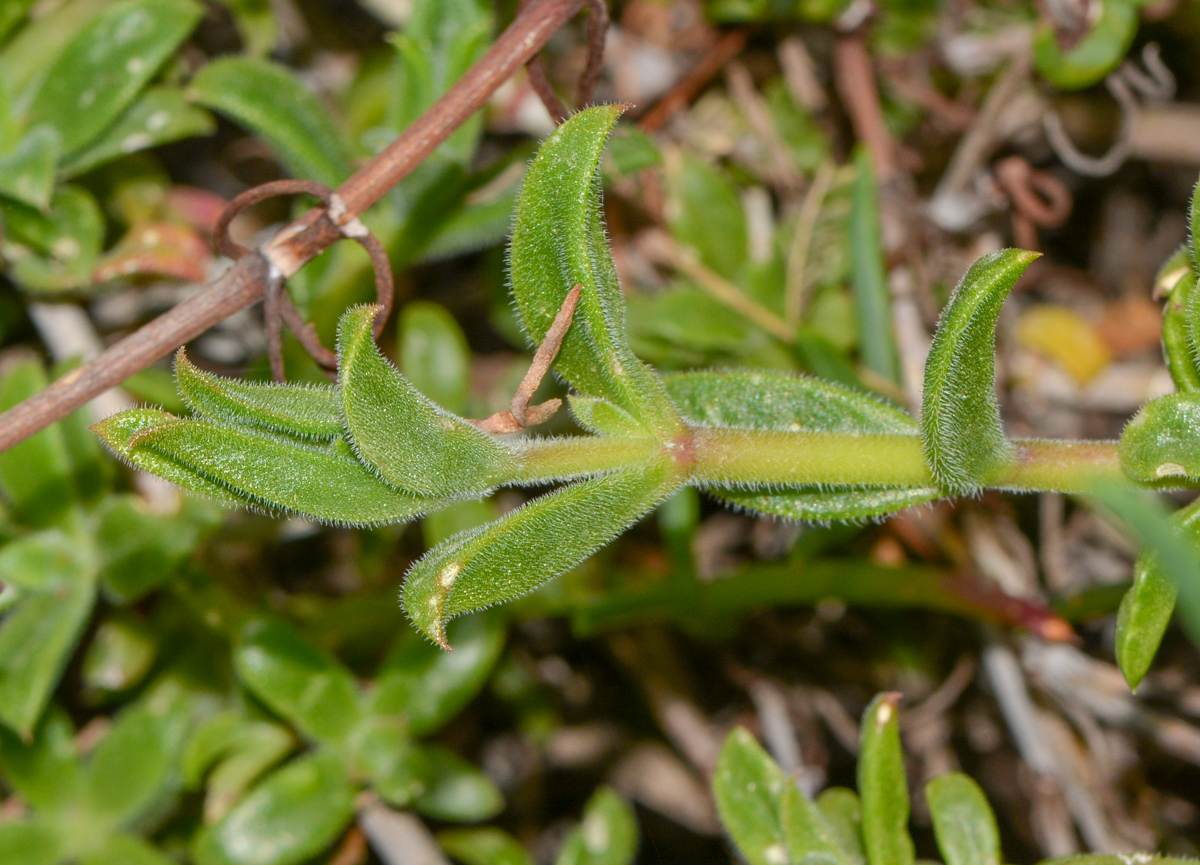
(562, 458)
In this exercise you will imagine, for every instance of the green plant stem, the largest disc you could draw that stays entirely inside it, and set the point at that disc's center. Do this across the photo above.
(578, 456)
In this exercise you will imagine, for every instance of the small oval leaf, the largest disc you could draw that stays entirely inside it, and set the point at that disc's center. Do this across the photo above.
(457, 790)
(960, 417)
(1162, 442)
(558, 242)
(963, 821)
(530, 546)
(807, 833)
(607, 836)
(409, 440)
(746, 786)
(883, 786)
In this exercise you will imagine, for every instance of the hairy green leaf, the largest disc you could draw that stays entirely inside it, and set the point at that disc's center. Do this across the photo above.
(1178, 342)
(456, 790)
(1161, 442)
(960, 417)
(427, 686)
(807, 833)
(746, 786)
(1147, 607)
(601, 417)
(607, 835)
(159, 116)
(768, 400)
(882, 786)
(530, 546)
(485, 846)
(409, 440)
(27, 172)
(558, 242)
(269, 101)
(36, 640)
(300, 410)
(106, 65)
(297, 680)
(963, 821)
(434, 355)
(872, 298)
(290, 817)
(234, 463)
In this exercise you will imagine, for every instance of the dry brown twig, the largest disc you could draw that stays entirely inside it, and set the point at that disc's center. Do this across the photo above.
(283, 255)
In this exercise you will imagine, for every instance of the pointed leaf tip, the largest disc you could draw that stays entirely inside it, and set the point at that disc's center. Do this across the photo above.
(960, 418)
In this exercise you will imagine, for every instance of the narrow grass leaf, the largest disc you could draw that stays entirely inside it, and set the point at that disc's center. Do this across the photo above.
(960, 417)
(747, 786)
(872, 298)
(103, 68)
(807, 834)
(883, 787)
(289, 818)
(1147, 607)
(303, 684)
(268, 100)
(558, 242)
(159, 116)
(409, 440)
(1160, 443)
(530, 546)
(963, 821)
(305, 411)
(607, 836)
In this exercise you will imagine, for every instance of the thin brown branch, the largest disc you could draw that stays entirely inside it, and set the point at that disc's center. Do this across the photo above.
(244, 284)
(692, 83)
(855, 79)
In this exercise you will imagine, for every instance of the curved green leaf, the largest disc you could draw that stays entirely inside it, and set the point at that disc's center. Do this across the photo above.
(558, 242)
(300, 410)
(159, 116)
(457, 790)
(1147, 607)
(963, 821)
(826, 504)
(409, 440)
(290, 817)
(297, 680)
(528, 547)
(1178, 342)
(271, 102)
(1163, 439)
(1096, 55)
(882, 786)
(960, 417)
(747, 786)
(607, 836)
(601, 417)
(103, 68)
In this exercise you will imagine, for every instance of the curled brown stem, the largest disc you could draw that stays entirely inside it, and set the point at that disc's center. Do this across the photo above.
(245, 283)
(520, 413)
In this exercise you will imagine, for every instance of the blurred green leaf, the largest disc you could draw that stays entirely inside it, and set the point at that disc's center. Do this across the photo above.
(34, 475)
(27, 172)
(396, 768)
(303, 684)
(396, 430)
(103, 68)
(256, 24)
(46, 561)
(485, 846)
(159, 116)
(43, 771)
(119, 655)
(872, 297)
(558, 242)
(705, 213)
(122, 849)
(61, 245)
(29, 842)
(303, 411)
(807, 833)
(36, 640)
(607, 836)
(529, 546)
(428, 686)
(960, 416)
(747, 786)
(883, 786)
(238, 751)
(434, 355)
(1147, 607)
(11, 14)
(1162, 442)
(287, 819)
(456, 790)
(1177, 340)
(28, 56)
(963, 821)
(268, 100)
(1093, 57)
(843, 809)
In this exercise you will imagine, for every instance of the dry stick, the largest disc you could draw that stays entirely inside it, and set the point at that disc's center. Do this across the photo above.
(244, 283)
(806, 225)
(855, 81)
(685, 91)
(521, 414)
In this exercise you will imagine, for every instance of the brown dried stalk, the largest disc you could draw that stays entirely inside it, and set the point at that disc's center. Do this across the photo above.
(245, 283)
